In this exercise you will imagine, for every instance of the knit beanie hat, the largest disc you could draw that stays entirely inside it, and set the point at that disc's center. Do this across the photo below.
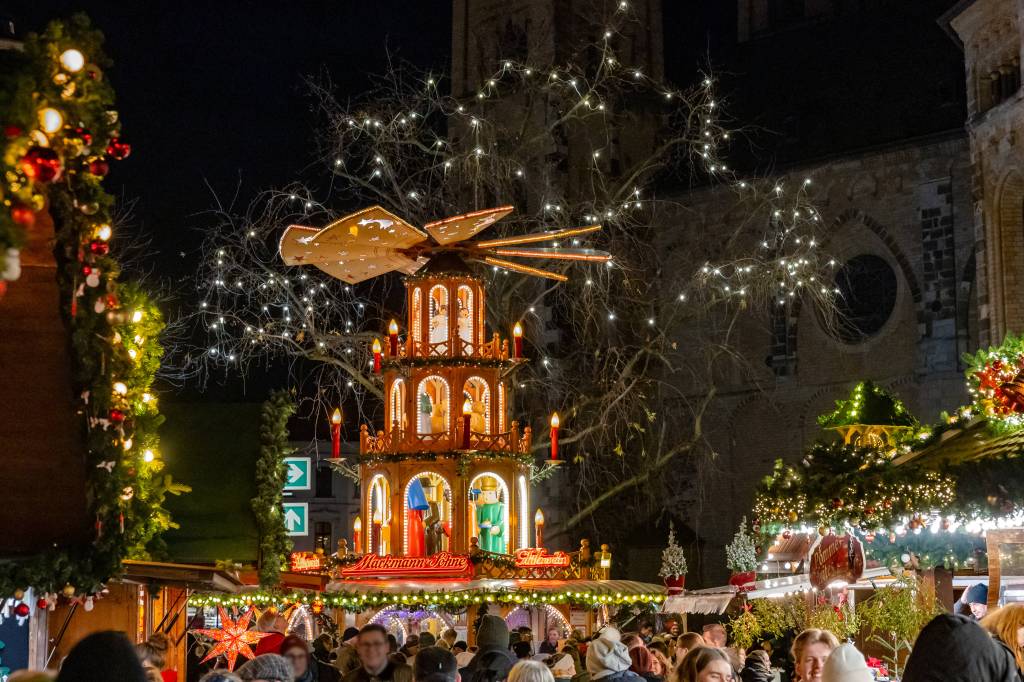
(977, 594)
(269, 667)
(846, 664)
(492, 633)
(607, 655)
(562, 666)
(642, 660)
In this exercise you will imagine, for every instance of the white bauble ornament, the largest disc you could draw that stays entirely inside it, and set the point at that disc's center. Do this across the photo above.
(11, 265)
(93, 279)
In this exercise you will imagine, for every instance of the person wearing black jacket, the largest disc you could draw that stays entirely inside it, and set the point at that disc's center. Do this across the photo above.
(492, 660)
(953, 648)
(758, 667)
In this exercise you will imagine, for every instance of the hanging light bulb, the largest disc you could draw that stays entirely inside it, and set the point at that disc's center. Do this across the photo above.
(50, 120)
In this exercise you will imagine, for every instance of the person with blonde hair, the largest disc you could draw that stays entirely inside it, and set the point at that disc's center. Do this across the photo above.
(1006, 625)
(705, 664)
(528, 670)
(684, 643)
(811, 649)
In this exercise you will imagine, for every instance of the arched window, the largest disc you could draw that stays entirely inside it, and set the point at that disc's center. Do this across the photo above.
(439, 317)
(467, 311)
(428, 514)
(396, 406)
(417, 317)
(432, 401)
(378, 510)
(489, 510)
(478, 393)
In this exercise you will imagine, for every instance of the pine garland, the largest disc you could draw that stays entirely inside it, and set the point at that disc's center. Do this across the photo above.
(271, 474)
(114, 326)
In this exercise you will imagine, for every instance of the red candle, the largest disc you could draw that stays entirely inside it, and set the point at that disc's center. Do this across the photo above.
(467, 411)
(336, 433)
(517, 341)
(538, 525)
(554, 436)
(357, 534)
(393, 337)
(376, 356)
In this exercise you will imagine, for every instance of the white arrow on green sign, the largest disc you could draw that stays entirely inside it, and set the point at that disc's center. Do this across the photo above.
(298, 472)
(296, 518)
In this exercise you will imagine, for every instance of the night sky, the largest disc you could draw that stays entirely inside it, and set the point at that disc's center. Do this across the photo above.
(213, 92)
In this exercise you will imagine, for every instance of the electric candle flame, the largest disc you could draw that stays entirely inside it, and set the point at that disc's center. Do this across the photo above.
(376, 347)
(357, 525)
(517, 331)
(538, 518)
(554, 420)
(467, 407)
(336, 417)
(393, 327)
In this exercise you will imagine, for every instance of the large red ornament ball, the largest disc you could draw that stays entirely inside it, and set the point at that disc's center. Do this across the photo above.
(82, 135)
(41, 603)
(22, 610)
(118, 149)
(12, 131)
(116, 415)
(99, 247)
(41, 164)
(23, 215)
(99, 168)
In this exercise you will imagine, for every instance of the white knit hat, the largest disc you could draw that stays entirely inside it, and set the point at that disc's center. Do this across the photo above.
(846, 664)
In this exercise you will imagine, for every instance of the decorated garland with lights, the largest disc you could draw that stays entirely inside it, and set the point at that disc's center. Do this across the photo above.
(271, 475)
(60, 131)
(445, 601)
(995, 380)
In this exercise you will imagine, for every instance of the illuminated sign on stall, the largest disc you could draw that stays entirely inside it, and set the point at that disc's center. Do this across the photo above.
(305, 562)
(538, 558)
(442, 564)
(836, 559)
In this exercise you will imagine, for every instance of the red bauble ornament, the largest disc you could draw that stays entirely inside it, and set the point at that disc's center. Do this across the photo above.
(116, 415)
(837, 503)
(82, 135)
(41, 603)
(99, 168)
(117, 149)
(22, 610)
(787, 534)
(12, 131)
(41, 164)
(99, 247)
(23, 215)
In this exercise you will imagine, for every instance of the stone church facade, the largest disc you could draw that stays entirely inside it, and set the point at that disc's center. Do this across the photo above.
(924, 217)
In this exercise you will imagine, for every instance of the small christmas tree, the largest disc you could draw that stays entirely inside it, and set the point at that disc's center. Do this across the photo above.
(741, 554)
(673, 561)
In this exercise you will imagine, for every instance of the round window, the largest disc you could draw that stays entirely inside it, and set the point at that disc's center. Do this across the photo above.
(866, 299)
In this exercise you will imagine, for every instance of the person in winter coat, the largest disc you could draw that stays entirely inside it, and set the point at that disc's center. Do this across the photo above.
(307, 668)
(976, 598)
(758, 667)
(643, 664)
(846, 664)
(608, 659)
(492, 660)
(1006, 625)
(346, 658)
(272, 622)
(562, 667)
(953, 648)
(101, 657)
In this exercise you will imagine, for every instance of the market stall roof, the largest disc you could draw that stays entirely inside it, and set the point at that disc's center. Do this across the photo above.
(192, 576)
(714, 600)
(974, 441)
(777, 587)
(609, 588)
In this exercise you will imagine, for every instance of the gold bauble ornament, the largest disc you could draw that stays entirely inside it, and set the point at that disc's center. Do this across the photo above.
(19, 594)
(68, 591)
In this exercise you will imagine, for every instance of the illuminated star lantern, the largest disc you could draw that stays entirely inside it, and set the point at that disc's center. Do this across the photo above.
(233, 638)
(375, 241)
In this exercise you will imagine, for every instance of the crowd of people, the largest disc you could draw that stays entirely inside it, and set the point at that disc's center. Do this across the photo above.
(951, 648)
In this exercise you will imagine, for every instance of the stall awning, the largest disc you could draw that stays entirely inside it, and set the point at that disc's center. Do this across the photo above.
(777, 587)
(191, 576)
(703, 602)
